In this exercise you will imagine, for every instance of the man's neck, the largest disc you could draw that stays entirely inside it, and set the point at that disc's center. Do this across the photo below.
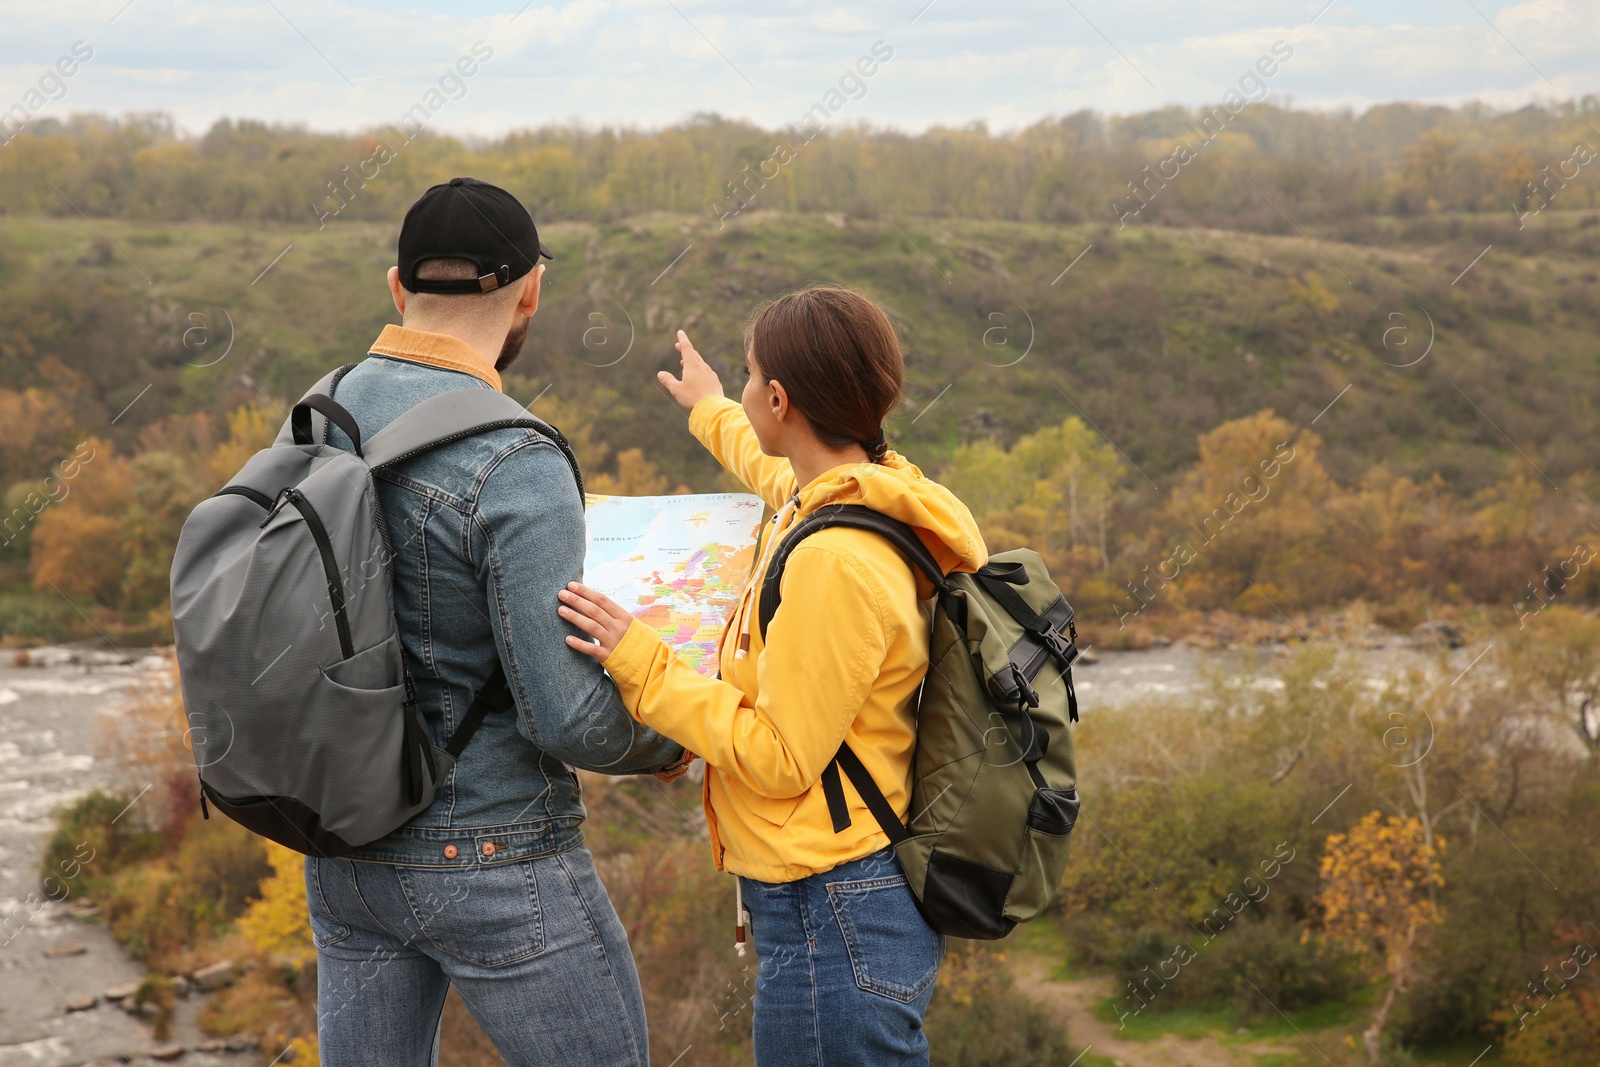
(435, 349)
(486, 341)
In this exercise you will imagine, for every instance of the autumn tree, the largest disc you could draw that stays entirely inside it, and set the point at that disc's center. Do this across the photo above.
(1247, 516)
(1556, 661)
(1053, 490)
(250, 429)
(78, 548)
(110, 536)
(635, 476)
(1376, 899)
(39, 432)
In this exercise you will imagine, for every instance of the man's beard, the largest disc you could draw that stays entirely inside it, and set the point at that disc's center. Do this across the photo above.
(513, 345)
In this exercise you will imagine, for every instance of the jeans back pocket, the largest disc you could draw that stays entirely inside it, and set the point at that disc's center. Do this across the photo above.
(487, 915)
(893, 951)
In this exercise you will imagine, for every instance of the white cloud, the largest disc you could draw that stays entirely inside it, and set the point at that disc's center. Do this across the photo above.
(642, 62)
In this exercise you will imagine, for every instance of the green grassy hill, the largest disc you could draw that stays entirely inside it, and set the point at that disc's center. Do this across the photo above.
(1154, 335)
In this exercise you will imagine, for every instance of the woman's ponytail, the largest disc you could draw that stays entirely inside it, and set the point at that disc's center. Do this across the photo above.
(877, 448)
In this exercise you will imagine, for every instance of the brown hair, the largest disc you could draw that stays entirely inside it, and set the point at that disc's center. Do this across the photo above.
(838, 358)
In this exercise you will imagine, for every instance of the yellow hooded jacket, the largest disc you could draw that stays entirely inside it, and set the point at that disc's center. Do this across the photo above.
(842, 661)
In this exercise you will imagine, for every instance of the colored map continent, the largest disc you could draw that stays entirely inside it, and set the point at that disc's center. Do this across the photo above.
(677, 563)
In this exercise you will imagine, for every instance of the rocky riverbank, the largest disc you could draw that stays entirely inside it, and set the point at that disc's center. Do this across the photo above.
(66, 988)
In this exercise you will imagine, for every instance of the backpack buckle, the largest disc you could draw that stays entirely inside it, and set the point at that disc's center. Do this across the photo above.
(1062, 649)
(1026, 694)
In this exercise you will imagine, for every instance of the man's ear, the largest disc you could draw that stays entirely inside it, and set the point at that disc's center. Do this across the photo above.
(397, 291)
(530, 295)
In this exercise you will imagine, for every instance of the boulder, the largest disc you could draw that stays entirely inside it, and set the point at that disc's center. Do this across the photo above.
(209, 979)
(83, 1003)
(66, 948)
(166, 1052)
(122, 992)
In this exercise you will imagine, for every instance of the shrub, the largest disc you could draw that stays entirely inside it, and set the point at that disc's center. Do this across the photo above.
(1271, 953)
(978, 1018)
(163, 907)
(91, 843)
(1569, 1032)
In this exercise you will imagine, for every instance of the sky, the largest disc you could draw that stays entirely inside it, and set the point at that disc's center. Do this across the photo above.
(343, 65)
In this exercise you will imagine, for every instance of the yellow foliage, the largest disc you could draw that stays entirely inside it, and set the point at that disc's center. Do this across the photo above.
(77, 543)
(250, 429)
(972, 973)
(279, 922)
(636, 476)
(1314, 295)
(1053, 491)
(305, 1051)
(79, 554)
(110, 537)
(1376, 881)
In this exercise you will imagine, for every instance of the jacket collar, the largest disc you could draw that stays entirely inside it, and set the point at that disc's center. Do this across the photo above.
(434, 350)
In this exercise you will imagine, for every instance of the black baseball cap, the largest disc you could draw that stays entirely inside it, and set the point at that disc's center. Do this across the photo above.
(465, 218)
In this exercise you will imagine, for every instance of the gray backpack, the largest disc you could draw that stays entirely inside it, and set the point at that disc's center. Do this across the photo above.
(303, 718)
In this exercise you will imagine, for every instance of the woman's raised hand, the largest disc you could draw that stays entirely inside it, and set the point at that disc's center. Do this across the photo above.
(699, 380)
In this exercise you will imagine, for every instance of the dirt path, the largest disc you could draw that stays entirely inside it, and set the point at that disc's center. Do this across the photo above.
(1073, 1003)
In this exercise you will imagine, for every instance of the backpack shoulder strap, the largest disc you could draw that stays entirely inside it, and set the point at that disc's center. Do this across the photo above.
(318, 422)
(902, 536)
(452, 416)
(495, 696)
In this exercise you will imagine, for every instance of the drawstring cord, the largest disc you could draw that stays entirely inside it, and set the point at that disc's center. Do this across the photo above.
(740, 916)
(760, 570)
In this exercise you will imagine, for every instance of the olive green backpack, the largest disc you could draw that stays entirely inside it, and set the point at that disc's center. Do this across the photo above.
(993, 780)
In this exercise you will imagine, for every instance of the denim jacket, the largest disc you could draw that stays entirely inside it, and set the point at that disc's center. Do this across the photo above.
(484, 532)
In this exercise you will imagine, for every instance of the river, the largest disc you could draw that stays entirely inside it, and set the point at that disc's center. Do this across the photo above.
(50, 711)
(49, 955)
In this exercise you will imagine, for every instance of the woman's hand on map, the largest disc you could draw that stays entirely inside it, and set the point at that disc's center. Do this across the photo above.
(699, 380)
(596, 615)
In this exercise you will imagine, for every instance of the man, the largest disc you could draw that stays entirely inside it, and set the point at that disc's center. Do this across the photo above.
(491, 888)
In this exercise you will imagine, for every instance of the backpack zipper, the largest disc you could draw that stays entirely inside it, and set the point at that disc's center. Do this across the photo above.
(330, 566)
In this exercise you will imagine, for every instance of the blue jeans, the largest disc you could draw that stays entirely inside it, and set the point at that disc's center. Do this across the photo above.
(534, 947)
(847, 967)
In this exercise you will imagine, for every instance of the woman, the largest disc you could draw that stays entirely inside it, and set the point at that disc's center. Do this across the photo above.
(847, 962)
